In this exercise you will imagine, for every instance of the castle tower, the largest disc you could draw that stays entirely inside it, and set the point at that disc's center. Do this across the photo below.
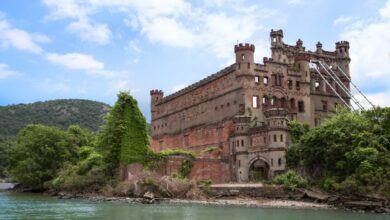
(319, 48)
(276, 38)
(245, 61)
(277, 46)
(278, 136)
(156, 95)
(302, 64)
(299, 45)
(239, 145)
(342, 55)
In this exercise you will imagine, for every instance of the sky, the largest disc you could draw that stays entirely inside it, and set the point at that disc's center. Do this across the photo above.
(91, 49)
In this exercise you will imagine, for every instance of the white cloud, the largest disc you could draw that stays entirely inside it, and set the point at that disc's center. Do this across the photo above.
(96, 33)
(168, 31)
(175, 23)
(6, 73)
(370, 52)
(20, 39)
(66, 9)
(385, 11)
(344, 20)
(296, 2)
(134, 46)
(76, 61)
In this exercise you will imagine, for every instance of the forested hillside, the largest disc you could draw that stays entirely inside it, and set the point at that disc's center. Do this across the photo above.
(60, 113)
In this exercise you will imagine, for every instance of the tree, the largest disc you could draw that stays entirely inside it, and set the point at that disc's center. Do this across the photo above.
(41, 151)
(124, 139)
(38, 154)
(5, 145)
(351, 149)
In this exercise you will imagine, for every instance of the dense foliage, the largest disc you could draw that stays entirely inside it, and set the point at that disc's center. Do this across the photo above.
(350, 152)
(291, 180)
(124, 138)
(5, 145)
(41, 151)
(58, 113)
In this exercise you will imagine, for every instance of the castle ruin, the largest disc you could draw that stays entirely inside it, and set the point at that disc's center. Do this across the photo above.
(243, 110)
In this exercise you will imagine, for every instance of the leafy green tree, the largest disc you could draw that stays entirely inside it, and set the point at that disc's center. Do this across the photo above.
(5, 145)
(38, 154)
(41, 151)
(124, 139)
(87, 174)
(351, 149)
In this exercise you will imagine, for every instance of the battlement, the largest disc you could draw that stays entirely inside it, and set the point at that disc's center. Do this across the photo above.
(276, 33)
(244, 47)
(156, 92)
(342, 44)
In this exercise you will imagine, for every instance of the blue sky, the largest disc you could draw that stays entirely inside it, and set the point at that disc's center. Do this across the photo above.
(92, 49)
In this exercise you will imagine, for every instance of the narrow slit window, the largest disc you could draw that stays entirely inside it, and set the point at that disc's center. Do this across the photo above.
(255, 101)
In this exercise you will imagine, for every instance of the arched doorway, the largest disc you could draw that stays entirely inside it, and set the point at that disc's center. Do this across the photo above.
(258, 170)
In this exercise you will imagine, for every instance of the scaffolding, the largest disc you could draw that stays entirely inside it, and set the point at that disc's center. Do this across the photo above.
(328, 75)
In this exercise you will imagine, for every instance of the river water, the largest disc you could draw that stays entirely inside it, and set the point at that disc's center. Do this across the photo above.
(35, 206)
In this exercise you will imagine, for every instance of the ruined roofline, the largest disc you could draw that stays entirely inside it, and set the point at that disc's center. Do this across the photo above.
(198, 84)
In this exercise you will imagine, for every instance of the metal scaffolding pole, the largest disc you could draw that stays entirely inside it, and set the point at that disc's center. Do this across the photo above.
(341, 84)
(358, 90)
(350, 107)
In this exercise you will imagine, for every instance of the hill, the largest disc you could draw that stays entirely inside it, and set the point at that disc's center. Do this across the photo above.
(60, 113)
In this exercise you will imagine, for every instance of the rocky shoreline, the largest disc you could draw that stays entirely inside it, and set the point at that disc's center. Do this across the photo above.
(239, 202)
(307, 203)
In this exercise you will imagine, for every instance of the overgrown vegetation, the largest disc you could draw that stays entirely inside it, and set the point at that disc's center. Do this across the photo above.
(290, 180)
(124, 138)
(348, 153)
(41, 151)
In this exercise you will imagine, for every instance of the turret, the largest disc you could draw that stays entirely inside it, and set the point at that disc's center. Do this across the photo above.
(299, 45)
(342, 49)
(319, 48)
(342, 55)
(302, 61)
(276, 38)
(278, 136)
(156, 95)
(240, 143)
(245, 61)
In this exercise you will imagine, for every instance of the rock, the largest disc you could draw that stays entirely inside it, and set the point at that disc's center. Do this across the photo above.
(148, 195)
(363, 205)
(318, 196)
(148, 198)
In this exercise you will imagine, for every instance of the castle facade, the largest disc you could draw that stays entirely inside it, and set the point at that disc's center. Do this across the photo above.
(236, 119)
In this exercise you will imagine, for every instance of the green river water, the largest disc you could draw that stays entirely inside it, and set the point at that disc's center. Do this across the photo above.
(35, 206)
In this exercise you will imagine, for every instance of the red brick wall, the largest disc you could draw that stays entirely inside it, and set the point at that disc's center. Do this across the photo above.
(213, 169)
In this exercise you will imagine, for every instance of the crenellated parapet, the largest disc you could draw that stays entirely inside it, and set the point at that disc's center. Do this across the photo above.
(244, 47)
(156, 92)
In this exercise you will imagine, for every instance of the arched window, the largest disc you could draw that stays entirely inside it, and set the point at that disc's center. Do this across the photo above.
(242, 142)
(280, 161)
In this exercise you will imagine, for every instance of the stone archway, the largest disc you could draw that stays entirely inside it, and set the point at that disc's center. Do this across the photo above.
(258, 169)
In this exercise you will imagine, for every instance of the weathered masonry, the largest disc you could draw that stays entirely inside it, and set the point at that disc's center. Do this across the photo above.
(236, 119)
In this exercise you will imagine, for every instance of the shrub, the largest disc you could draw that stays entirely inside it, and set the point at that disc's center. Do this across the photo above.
(291, 180)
